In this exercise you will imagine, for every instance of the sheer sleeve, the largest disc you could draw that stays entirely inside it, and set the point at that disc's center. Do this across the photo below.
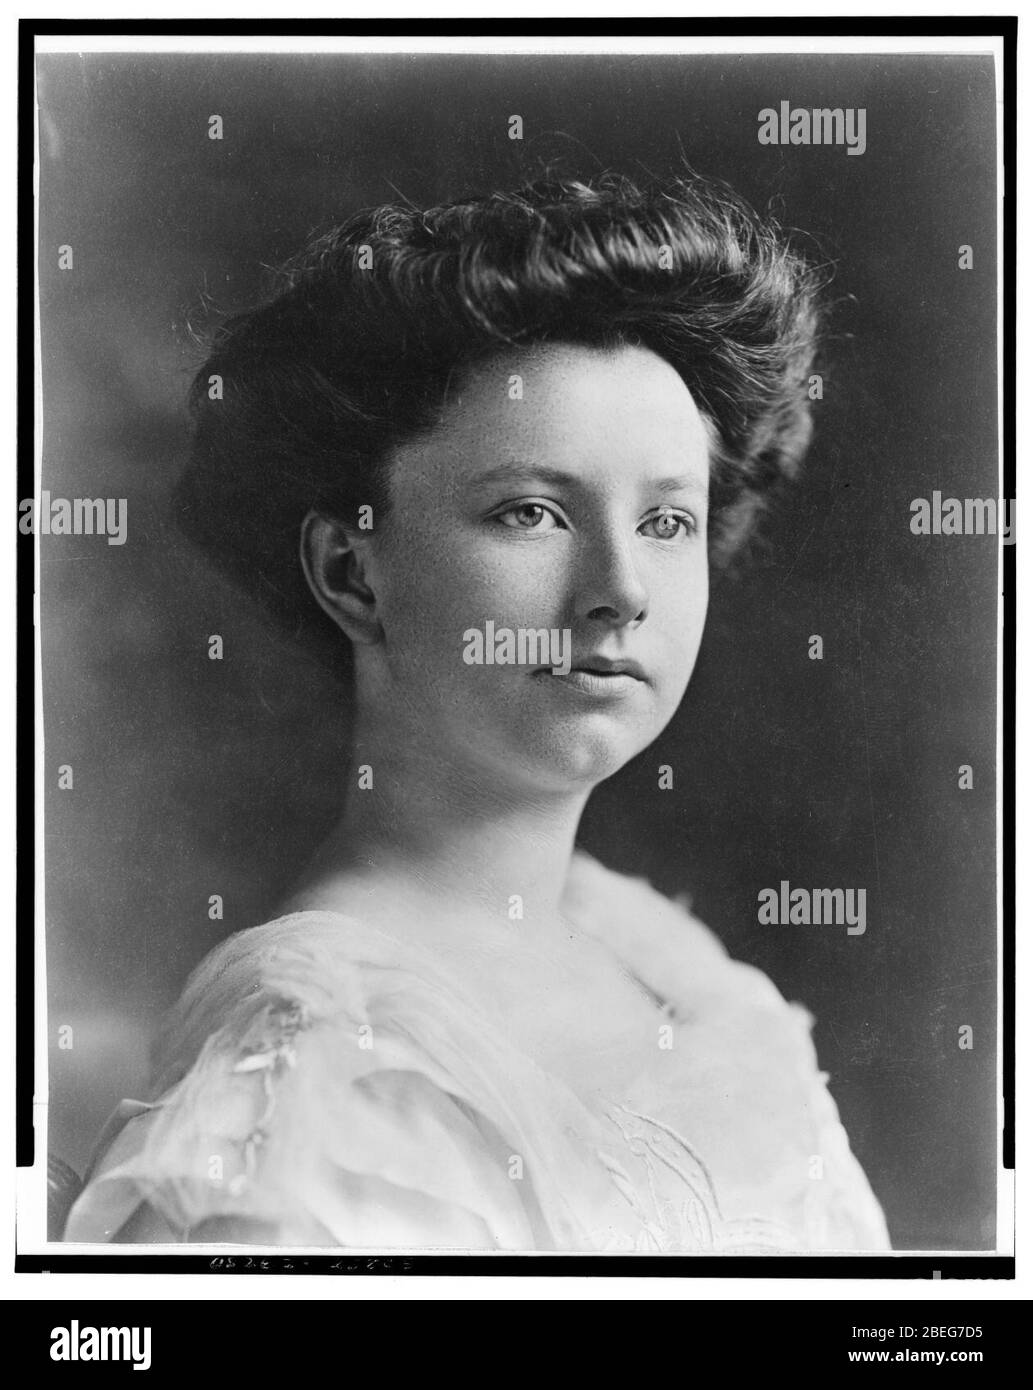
(307, 1121)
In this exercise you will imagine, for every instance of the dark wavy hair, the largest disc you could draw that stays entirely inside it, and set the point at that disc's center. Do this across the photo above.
(355, 350)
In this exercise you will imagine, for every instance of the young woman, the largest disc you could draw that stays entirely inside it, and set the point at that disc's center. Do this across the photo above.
(483, 455)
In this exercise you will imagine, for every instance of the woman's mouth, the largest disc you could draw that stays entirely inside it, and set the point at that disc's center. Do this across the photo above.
(600, 679)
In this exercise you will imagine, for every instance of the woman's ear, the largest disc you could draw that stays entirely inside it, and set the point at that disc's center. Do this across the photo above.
(333, 557)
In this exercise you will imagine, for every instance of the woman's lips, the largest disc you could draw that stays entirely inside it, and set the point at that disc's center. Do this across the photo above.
(613, 685)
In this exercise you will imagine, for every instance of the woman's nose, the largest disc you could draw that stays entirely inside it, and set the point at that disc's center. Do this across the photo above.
(611, 589)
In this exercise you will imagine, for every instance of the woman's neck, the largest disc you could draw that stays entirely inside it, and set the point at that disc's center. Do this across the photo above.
(436, 831)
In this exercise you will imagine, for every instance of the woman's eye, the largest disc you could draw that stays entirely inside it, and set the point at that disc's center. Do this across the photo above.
(527, 516)
(667, 525)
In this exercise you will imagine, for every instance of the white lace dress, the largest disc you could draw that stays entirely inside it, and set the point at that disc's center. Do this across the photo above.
(343, 1087)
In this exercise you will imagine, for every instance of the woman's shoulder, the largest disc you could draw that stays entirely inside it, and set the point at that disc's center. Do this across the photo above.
(739, 1047)
(729, 1017)
(293, 973)
(317, 1081)
(660, 940)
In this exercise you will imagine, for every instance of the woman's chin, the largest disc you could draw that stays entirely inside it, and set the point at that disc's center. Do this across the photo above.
(583, 760)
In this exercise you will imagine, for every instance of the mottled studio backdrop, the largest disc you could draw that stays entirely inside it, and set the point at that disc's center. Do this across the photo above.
(194, 777)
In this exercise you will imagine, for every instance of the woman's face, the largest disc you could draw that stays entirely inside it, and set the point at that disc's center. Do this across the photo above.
(565, 488)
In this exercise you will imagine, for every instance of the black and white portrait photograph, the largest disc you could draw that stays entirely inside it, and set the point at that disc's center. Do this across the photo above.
(520, 530)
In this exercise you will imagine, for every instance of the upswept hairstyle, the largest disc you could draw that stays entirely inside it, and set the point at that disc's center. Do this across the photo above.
(355, 351)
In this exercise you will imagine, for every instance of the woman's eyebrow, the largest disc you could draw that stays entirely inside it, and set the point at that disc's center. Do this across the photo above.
(684, 482)
(519, 471)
